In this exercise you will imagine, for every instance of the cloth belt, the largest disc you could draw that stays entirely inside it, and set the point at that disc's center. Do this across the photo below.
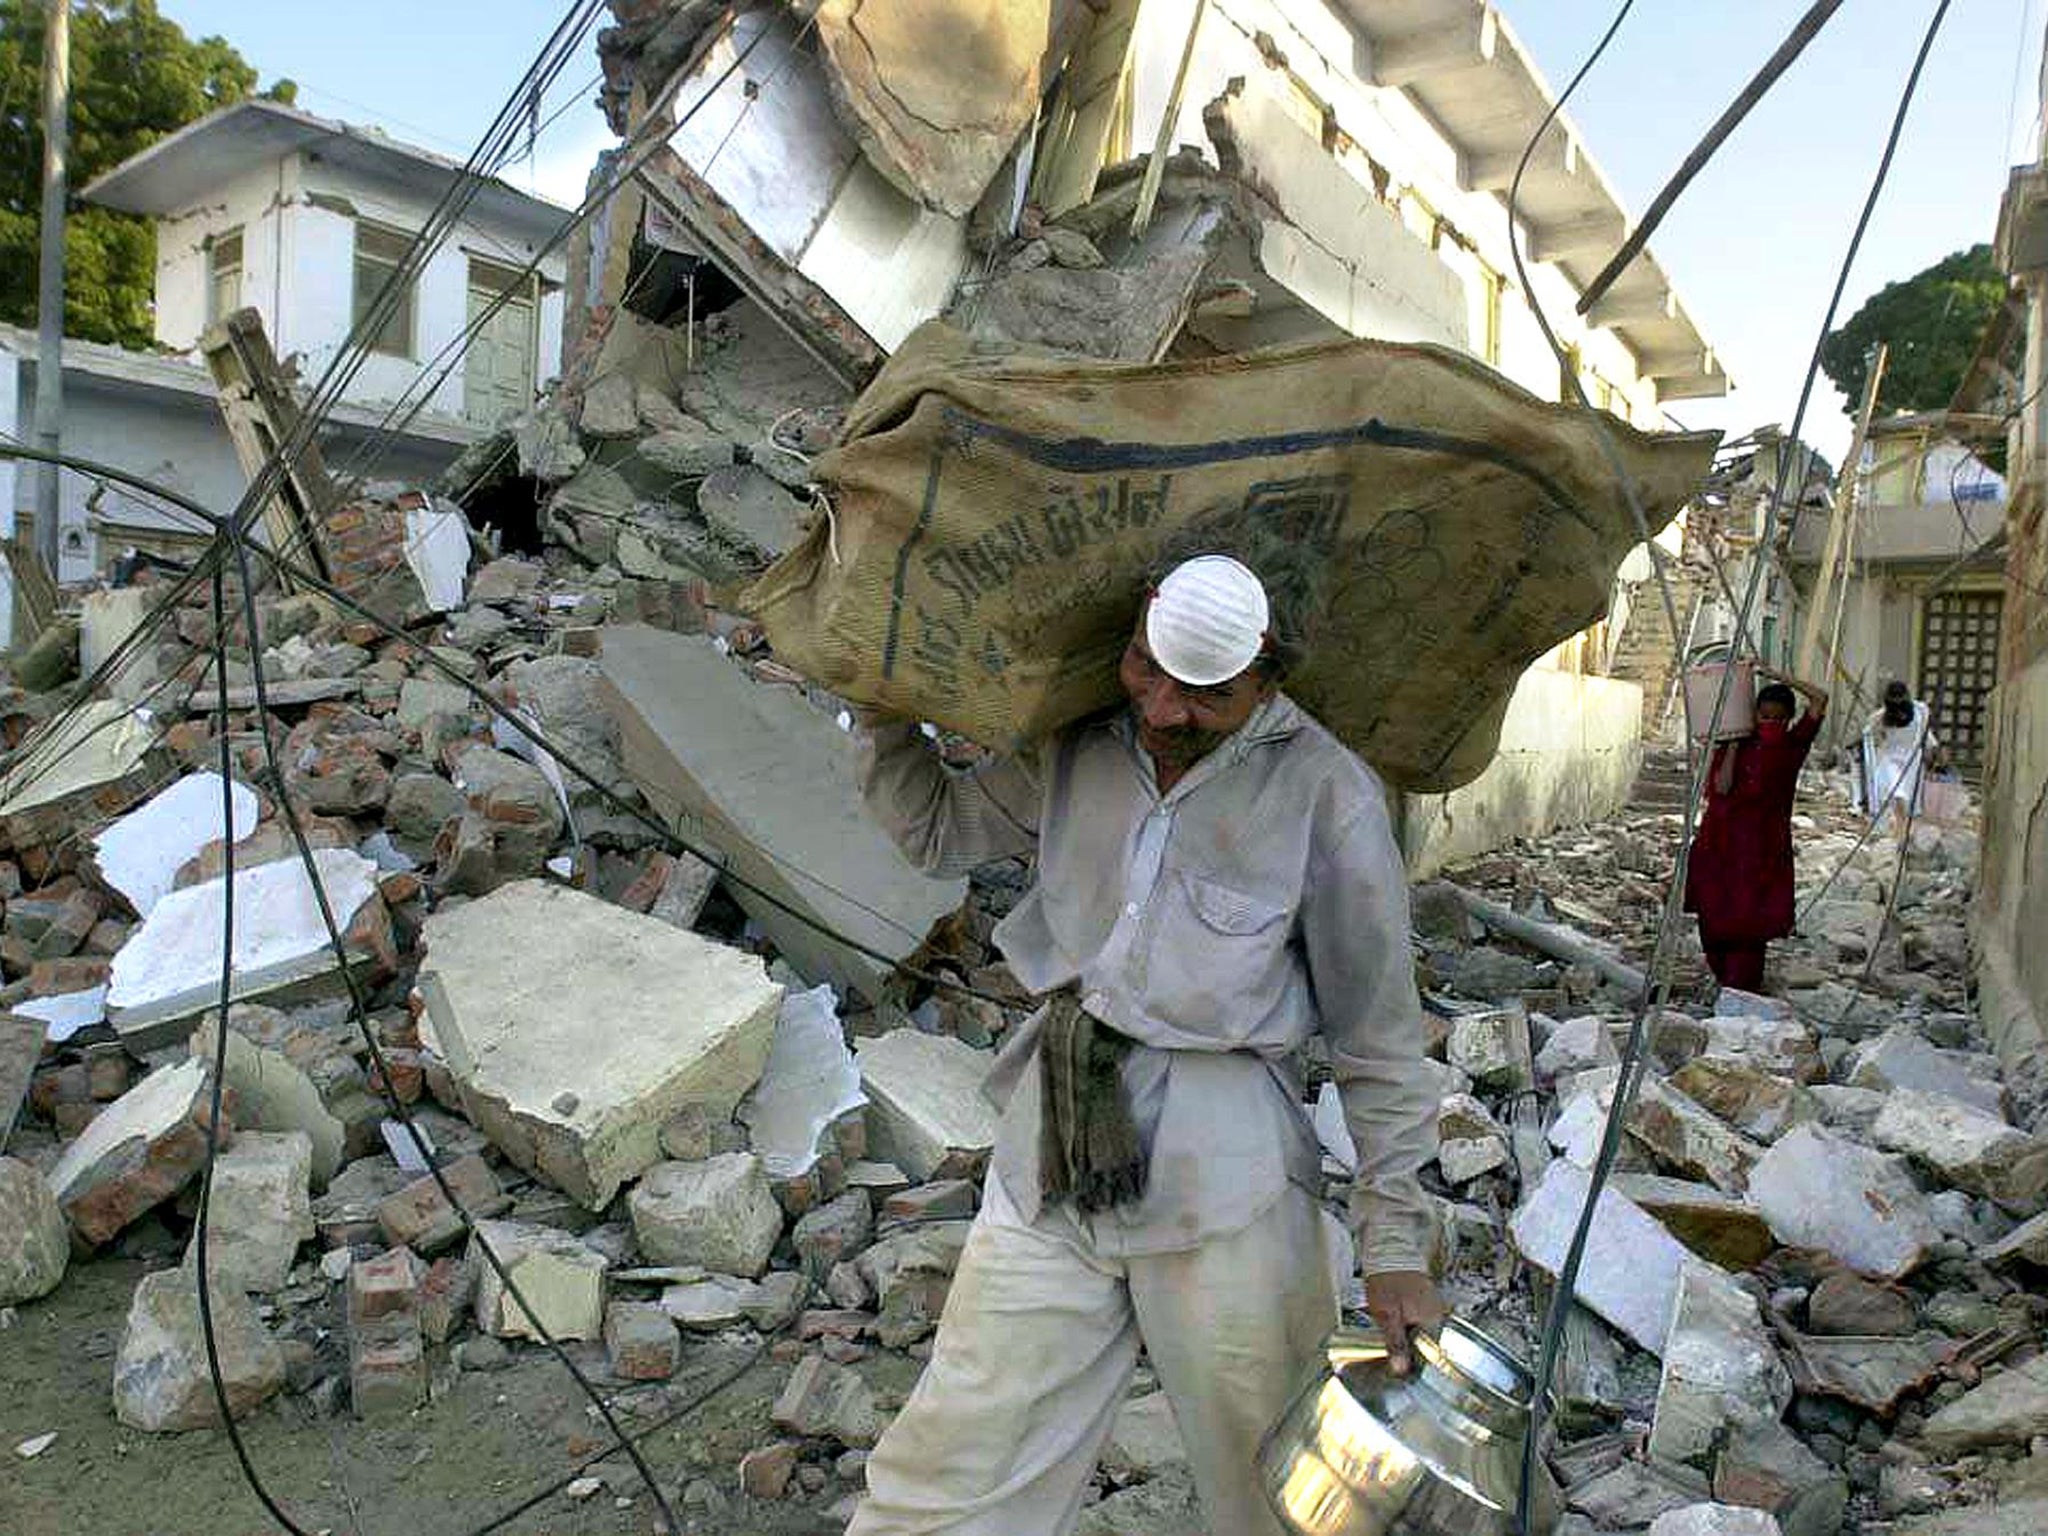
(1089, 1150)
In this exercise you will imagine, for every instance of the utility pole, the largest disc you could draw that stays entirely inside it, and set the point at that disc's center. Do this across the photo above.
(50, 288)
(1845, 495)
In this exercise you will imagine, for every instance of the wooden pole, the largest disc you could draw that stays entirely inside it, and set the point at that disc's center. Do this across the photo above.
(1155, 168)
(1845, 491)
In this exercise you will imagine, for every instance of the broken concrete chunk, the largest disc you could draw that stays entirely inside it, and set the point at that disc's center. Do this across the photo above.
(1901, 1058)
(1847, 1109)
(1966, 1147)
(422, 698)
(1632, 1265)
(2026, 1243)
(1631, 1495)
(925, 1109)
(1689, 1141)
(21, 1048)
(719, 1213)
(257, 1211)
(1871, 1373)
(709, 1304)
(1577, 1045)
(1780, 1045)
(642, 1341)
(748, 510)
(1723, 1229)
(1492, 1048)
(1721, 1371)
(161, 1380)
(835, 1232)
(911, 1274)
(1469, 1140)
(1766, 1466)
(821, 1398)
(272, 1094)
(575, 1029)
(1145, 1440)
(2009, 1409)
(774, 789)
(35, 1246)
(810, 1080)
(140, 1150)
(1758, 1103)
(561, 1280)
(1818, 1190)
(86, 763)
(170, 970)
(141, 854)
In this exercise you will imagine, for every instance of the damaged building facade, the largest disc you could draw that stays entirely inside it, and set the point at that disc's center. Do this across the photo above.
(1143, 183)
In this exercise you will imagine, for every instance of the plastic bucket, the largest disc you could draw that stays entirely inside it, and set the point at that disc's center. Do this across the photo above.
(1738, 710)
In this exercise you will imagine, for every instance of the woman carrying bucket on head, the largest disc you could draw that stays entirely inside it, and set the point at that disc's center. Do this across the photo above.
(1739, 882)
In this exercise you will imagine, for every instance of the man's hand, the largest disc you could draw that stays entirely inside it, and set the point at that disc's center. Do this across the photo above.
(1401, 1300)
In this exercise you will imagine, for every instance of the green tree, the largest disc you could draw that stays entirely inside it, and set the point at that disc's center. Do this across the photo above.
(1931, 323)
(135, 77)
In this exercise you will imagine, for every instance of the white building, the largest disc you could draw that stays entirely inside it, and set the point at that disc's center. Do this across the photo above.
(304, 220)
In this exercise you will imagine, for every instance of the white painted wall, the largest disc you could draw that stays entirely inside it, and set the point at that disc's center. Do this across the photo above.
(1322, 48)
(298, 264)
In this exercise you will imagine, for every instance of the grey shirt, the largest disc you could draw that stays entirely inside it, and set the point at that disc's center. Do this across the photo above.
(1259, 901)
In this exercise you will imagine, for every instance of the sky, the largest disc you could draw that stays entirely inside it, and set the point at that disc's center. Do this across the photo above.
(1753, 248)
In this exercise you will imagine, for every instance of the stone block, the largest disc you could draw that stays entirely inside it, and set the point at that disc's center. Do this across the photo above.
(835, 1232)
(273, 1094)
(259, 1211)
(1767, 1467)
(1470, 1141)
(35, 1245)
(775, 790)
(719, 1213)
(1721, 1371)
(140, 1150)
(1491, 1047)
(419, 1216)
(2008, 1409)
(911, 1274)
(1779, 1045)
(1723, 1229)
(1847, 1305)
(1687, 1140)
(511, 984)
(1964, 1146)
(161, 1380)
(1577, 1045)
(1901, 1058)
(823, 1399)
(1759, 1104)
(1819, 1190)
(925, 1109)
(1632, 1265)
(641, 1341)
(169, 972)
(561, 1280)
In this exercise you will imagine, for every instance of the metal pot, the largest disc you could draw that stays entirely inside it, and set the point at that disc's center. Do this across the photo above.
(1363, 1452)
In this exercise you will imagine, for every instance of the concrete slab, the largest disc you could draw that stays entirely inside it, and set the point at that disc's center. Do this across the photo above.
(574, 1029)
(771, 788)
(1820, 1190)
(925, 1110)
(170, 970)
(83, 766)
(1632, 1265)
(140, 855)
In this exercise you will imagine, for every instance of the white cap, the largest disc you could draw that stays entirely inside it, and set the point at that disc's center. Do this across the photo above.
(1207, 621)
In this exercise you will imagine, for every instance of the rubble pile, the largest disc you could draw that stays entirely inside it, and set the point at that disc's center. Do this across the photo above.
(1807, 1305)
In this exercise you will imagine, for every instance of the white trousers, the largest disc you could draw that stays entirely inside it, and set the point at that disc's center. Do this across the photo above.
(1034, 1356)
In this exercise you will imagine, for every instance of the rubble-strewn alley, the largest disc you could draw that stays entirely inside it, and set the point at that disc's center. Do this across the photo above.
(1807, 1286)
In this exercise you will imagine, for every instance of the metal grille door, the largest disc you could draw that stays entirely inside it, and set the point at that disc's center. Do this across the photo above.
(1959, 667)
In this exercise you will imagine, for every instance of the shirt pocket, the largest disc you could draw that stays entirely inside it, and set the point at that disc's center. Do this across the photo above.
(1219, 957)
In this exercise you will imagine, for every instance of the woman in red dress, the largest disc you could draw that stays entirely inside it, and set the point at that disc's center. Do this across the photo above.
(1740, 879)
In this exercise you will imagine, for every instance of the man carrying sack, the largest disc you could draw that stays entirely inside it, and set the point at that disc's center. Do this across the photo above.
(1217, 882)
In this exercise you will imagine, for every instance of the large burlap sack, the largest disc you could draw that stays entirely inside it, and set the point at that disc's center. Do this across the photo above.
(995, 514)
